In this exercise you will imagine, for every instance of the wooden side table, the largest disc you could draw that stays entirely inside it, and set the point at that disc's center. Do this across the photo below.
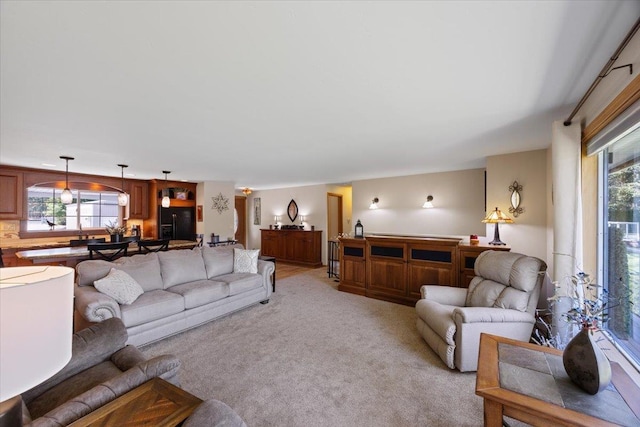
(528, 382)
(155, 403)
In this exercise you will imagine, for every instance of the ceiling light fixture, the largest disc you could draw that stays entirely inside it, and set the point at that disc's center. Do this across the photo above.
(374, 203)
(123, 198)
(428, 203)
(166, 202)
(246, 191)
(66, 197)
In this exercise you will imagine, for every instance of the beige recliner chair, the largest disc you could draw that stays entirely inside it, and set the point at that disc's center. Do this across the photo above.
(501, 300)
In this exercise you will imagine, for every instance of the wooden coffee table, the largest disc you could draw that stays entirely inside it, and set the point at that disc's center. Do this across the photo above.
(154, 403)
(528, 382)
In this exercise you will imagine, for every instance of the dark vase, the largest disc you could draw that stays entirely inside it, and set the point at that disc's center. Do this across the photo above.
(115, 238)
(586, 364)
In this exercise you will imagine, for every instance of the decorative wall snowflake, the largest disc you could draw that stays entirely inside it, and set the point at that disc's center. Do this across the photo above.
(220, 203)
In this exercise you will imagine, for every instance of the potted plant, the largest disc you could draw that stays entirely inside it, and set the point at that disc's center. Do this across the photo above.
(115, 230)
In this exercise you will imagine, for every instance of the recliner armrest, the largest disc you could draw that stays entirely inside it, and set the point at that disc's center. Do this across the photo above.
(490, 315)
(444, 294)
(109, 390)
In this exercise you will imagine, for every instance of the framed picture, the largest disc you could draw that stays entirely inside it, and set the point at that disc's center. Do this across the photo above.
(199, 213)
(257, 210)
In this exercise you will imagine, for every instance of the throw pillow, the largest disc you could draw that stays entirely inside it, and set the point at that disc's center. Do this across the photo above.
(245, 260)
(119, 286)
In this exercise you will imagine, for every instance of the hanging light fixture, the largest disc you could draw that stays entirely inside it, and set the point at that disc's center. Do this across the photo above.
(66, 197)
(123, 198)
(166, 202)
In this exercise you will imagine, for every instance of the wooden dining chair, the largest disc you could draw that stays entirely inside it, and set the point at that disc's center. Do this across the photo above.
(146, 246)
(108, 251)
(85, 242)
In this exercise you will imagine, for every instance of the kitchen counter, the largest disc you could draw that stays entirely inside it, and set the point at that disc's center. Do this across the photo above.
(70, 256)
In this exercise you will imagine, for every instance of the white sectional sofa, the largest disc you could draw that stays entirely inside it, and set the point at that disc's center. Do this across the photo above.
(181, 289)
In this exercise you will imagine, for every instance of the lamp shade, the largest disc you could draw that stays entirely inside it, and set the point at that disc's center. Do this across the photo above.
(66, 197)
(496, 217)
(36, 326)
(166, 202)
(123, 199)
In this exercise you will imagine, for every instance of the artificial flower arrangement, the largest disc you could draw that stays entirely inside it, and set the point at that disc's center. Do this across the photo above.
(113, 227)
(589, 309)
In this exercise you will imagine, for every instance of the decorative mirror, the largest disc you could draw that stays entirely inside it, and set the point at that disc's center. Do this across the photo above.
(515, 190)
(292, 210)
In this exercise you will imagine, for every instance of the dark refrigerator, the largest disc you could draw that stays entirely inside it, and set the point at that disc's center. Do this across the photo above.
(176, 223)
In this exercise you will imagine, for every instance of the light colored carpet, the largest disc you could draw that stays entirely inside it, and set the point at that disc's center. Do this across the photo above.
(315, 356)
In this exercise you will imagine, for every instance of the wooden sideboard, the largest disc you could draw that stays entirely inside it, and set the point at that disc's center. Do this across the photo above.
(294, 246)
(394, 268)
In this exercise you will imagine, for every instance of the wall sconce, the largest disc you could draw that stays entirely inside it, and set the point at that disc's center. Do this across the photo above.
(166, 202)
(374, 203)
(428, 203)
(123, 198)
(496, 217)
(66, 197)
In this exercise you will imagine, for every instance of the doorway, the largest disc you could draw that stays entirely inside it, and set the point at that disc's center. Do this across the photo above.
(241, 220)
(334, 215)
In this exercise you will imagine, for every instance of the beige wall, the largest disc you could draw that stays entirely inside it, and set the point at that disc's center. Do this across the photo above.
(311, 201)
(458, 199)
(214, 222)
(528, 234)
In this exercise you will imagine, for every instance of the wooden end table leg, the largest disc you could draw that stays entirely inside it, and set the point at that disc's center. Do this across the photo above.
(492, 413)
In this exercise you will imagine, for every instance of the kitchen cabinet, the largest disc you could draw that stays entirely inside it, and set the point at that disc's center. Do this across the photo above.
(12, 191)
(294, 246)
(138, 199)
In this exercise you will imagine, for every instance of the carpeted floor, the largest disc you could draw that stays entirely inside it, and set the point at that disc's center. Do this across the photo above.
(315, 356)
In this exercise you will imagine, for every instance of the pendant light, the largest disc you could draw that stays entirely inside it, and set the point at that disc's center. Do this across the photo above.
(66, 197)
(166, 202)
(123, 198)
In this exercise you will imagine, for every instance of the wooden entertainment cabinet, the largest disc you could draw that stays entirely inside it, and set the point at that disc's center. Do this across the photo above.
(394, 268)
(302, 247)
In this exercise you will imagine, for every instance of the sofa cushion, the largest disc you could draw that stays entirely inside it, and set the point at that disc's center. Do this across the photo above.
(151, 306)
(144, 269)
(119, 286)
(482, 292)
(496, 265)
(245, 260)
(241, 282)
(72, 387)
(218, 260)
(201, 292)
(181, 266)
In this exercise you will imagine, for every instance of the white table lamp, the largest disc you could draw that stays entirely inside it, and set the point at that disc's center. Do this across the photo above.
(36, 329)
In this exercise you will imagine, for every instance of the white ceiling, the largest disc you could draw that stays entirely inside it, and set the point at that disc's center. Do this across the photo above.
(276, 94)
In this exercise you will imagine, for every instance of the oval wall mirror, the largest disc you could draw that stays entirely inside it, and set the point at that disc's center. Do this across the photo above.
(515, 199)
(292, 210)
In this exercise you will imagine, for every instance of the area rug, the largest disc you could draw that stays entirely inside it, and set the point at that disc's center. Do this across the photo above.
(315, 356)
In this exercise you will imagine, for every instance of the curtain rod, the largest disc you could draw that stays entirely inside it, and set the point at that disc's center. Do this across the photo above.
(605, 71)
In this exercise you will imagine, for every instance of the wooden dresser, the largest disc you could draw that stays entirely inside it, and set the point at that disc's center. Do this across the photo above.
(302, 247)
(394, 268)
